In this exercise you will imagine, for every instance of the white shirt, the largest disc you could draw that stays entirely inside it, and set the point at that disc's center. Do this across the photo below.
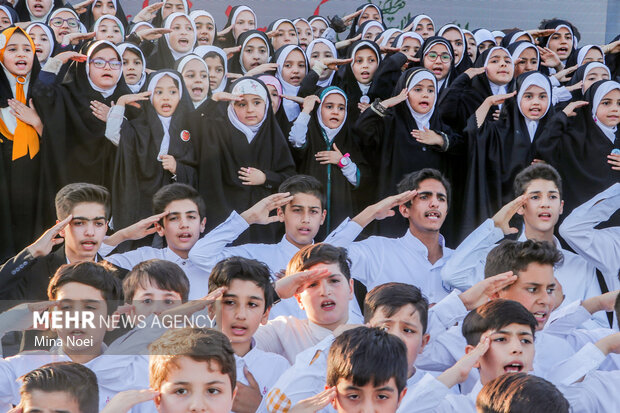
(211, 249)
(198, 279)
(599, 246)
(466, 267)
(431, 395)
(378, 260)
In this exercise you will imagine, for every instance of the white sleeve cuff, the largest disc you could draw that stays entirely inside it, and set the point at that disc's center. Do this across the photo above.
(114, 124)
(297, 136)
(350, 172)
(52, 65)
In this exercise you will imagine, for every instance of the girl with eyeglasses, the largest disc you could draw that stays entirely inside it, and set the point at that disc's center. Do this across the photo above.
(437, 56)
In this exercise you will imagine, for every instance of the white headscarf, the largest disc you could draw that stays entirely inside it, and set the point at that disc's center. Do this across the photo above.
(483, 35)
(521, 48)
(421, 120)
(560, 26)
(248, 86)
(291, 108)
(600, 93)
(455, 27)
(105, 92)
(236, 14)
(247, 39)
(329, 132)
(371, 24)
(114, 19)
(495, 88)
(47, 31)
(366, 43)
(363, 9)
(419, 18)
(140, 24)
(203, 50)
(534, 79)
(584, 51)
(332, 48)
(385, 36)
(175, 54)
(182, 65)
(135, 49)
(408, 35)
(515, 36)
(185, 5)
(158, 76)
(593, 65)
(6, 11)
(498, 33)
(165, 120)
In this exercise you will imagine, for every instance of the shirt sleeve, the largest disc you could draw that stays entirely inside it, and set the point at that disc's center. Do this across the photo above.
(297, 135)
(428, 395)
(578, 365)
(362, 254)
(114, 123)
(445, 314)
(350, 172)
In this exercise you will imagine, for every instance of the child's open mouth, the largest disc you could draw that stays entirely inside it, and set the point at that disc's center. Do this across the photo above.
(432, 215)
(238, 330)
(328, 305)
(88, 245)
(185, 236)
(515, 367)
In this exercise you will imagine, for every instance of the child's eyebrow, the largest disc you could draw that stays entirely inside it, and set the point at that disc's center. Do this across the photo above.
(386, 388)
(192, 211)
(87, 219)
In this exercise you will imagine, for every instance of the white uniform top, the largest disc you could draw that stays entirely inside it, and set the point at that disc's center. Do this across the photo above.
(379, 260)
(466, 267)
(212, 248)
(431, 395)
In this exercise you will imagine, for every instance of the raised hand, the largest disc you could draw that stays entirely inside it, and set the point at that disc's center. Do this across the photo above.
(562, 75)
(315, 403)
(48, 240)
(265, 67)
(308, 103)
(395, 100)
(427, 137)
(333, 63)
(190, 307)
(569, 110)
(475, 71)
(549, 58)
(148, 13)
(327, 157)
(348, 19)
(383, 208)
(611, 48)
(152, 34)
(75, 38)
(26, 113)
(230, 51)
(132, 99)
(296, 99)
(252, 176)
(259, 212)
(100, 110)
(83, 6)
(389, 49)
(614, 160)
(495, 100)
(139, 230)
(21, 316)
(485, 290)
(502, 218)
(122, 402)
(460, 370)
(64, 57)
(225, 97)
(295, 283)
(576, 86)
(225, 31)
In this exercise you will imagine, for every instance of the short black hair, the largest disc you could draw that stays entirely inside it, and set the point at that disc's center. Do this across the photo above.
(521, 393)
(303, 184)
(177, 192)
(617, 305)
(495, 315)
(70, 195)
(536, 171)
(245, 269)
(515, 256)
(412, 181)
(320, 253)
(392, 297)
(366, 354)
(97, 275)
(78, 381)
(163, 274)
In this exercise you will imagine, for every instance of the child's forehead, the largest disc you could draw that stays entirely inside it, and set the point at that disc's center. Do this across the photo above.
(306, 200)
(147, 286)
(78, 291)
(88, 210)
(244, 288)
(181, 206)
(540, 185)
(407, 313)
(514, 328)
(188, 369)
(347, 383)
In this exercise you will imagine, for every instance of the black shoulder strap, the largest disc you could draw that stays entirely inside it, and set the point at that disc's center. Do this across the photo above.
(605, 289)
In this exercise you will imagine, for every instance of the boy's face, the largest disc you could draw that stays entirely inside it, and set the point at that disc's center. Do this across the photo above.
(534, 289)
(511, 350)
(543, 205)
(326, 302)
(243, 310)
(302, 218)
(150, 299)
(195, 386)
(406, 325)
(75, 296)
(39, 401)
(182, 226)
(383, 398)
(84, 234)
(429, 208)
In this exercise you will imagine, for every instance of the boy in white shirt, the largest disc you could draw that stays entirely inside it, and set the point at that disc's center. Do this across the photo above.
(538, 189)
(300, 205)
(418, 256)
(245, 306)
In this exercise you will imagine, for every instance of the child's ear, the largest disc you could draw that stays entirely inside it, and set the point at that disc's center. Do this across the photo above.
(561, 207)
(323, 217)
(298, 298)
(425, 339)
(211, 311)
(280, 214)
(404, 211)
(159, 229)
(468, 349)
(62, 231)
(351, 289)
(265, 317)
(402, 395)
(203, 224)
(157, 400)
(234, 393)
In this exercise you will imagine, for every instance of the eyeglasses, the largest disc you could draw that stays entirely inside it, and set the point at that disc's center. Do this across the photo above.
(100, 64)
(445, 57)
(72, 22)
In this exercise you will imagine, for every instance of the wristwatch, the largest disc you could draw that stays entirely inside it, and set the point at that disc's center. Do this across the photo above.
(344, 161)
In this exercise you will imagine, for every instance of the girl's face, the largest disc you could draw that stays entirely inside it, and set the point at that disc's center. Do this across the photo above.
(485, 46)
(250, 109)
(321, 51)
(534, 102)
(294, 68)
(438, 60)
(499, 67)
(422, 96)
(103, 7)
(182, 36)
(425, 28)
(365, 65)
(39, 8)
(608, 111)
(18, 55)
(172, 6)
(318, 27)
(286, 34)
(391, 39)
(41, 43)
(594, 76)
(109, 71)
(245, 21)
(5, 21)
(471, 46)
(132, 67)
(593, 55)
(371, 13)
(372, 33)
(455, 39)
(561, 42)
(63, 23)
(410, 47)
(528, 61)
(109, 30)
(196, 79)
(205, 31)
(166, 97)
(275, 97)
(304, 33)
(216, 71)
(255, 53)
(333, 110)
(498, 39)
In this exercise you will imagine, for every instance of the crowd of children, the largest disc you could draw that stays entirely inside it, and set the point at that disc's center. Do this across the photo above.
(337, 215)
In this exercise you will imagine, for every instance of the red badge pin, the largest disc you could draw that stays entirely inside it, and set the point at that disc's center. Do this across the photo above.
(185, 136)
